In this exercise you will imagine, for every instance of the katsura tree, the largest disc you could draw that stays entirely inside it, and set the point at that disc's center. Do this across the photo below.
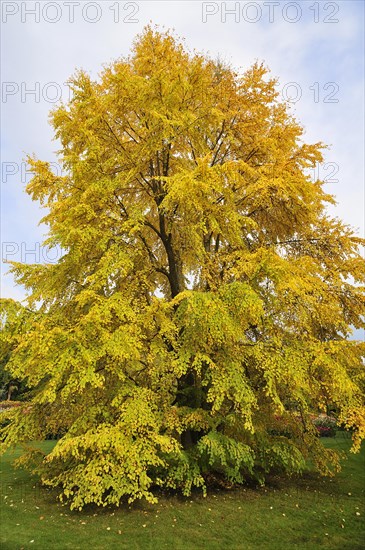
(201, 311)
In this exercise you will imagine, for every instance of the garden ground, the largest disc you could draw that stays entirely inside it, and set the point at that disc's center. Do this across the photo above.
(307, 513)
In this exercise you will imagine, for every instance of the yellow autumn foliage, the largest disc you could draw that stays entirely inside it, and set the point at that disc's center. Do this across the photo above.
(205, 295)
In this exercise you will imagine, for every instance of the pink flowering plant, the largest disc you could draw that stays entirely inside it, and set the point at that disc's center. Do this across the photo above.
(326, 425)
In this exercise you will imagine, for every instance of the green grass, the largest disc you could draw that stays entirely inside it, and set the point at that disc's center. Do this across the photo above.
(308, 513)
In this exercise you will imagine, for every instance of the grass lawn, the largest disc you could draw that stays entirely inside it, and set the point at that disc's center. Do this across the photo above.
(307, 513)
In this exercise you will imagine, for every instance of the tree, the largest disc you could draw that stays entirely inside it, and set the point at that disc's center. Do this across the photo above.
(205, 296)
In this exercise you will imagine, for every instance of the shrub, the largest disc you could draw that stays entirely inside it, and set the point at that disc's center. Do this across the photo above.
(326, 425)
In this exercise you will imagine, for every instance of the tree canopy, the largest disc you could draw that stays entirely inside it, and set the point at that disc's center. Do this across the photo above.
(205, 296)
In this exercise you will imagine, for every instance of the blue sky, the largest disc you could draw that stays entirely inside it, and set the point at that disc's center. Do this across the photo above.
(315, 46)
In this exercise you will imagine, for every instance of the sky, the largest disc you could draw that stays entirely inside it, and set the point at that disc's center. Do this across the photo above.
(315, 49)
